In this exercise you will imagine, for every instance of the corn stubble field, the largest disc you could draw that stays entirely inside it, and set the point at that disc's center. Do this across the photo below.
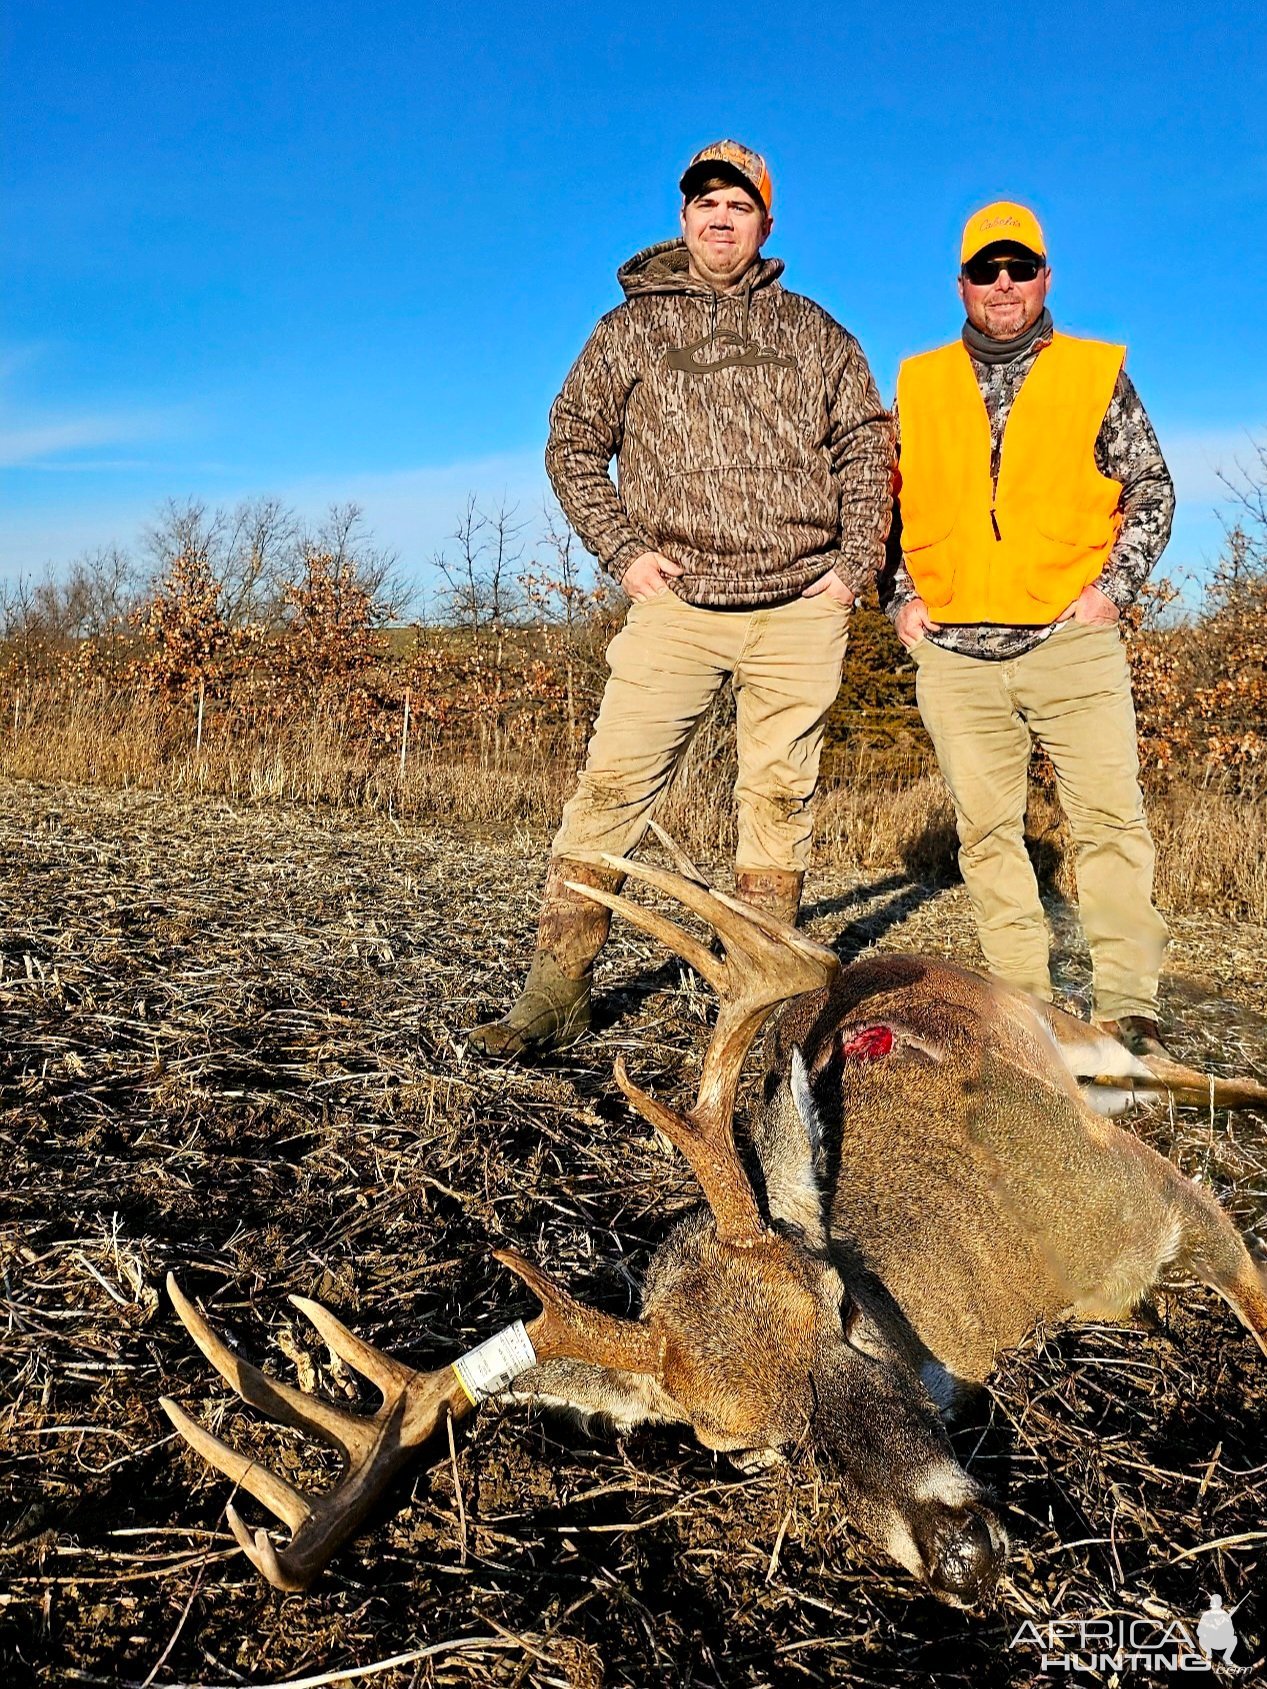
(233, 1047)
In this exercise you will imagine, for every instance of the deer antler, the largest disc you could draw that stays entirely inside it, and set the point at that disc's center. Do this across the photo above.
(766, 962)
(374, 1447)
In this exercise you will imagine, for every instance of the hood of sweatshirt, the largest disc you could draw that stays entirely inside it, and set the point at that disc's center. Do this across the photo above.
(665, 268)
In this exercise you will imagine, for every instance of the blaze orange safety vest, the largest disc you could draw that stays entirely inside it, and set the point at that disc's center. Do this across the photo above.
(1019, 552)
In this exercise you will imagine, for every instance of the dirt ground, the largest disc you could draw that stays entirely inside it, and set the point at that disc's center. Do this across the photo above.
(233, 1047)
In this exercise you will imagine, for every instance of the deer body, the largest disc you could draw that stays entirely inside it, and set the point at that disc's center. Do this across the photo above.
(930, 1182)
(969, 1173)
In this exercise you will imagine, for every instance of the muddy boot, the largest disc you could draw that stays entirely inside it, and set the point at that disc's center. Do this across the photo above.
(553, 1009)
(775, 890)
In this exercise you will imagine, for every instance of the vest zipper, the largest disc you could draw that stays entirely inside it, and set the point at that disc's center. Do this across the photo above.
(994, 523)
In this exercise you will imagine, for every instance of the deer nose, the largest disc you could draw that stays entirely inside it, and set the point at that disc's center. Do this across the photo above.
(964, 1552)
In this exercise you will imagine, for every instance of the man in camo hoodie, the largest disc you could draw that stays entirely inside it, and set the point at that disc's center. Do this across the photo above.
(755, 465)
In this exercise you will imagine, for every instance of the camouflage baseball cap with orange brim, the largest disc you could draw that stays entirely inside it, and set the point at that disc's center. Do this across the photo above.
(729, 158)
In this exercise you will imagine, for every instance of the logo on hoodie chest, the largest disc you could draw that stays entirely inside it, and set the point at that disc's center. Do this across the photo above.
(727, 349)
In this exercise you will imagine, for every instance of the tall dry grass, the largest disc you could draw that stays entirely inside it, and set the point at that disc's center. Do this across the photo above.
(1211, 841)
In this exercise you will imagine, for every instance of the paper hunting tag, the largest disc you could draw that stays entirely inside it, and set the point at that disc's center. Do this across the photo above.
(486, 1370)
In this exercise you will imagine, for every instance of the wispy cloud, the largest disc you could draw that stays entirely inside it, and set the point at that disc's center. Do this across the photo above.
(42, 436)
(415, 510)
(39, 442)
(410, 511)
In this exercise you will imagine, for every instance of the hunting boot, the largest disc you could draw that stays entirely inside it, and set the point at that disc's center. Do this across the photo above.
(553, 1009)
(777, 891)
(1141, 1035)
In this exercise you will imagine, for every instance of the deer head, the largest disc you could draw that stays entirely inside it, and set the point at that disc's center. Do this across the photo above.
(771, 1335)
(751, 1330)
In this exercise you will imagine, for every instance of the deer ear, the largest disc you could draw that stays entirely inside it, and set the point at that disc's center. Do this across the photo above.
(804, 1104)
(793, 1189)
(785, 1134)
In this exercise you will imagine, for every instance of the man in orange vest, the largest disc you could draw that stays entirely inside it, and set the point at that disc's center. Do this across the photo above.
(1033, 502)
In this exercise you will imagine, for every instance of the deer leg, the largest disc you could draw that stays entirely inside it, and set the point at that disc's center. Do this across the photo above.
(1215, 1254)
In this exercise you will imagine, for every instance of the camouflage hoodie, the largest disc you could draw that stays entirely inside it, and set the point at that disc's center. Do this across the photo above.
(751, 444)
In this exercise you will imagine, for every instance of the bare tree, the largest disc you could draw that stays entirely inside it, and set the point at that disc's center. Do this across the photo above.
(504, 549)
(260, 537)
(1243, 563)
(464, 598)
(106, 586)
(560, 589)
(1247, 484)
(482, 579)
(254, 549)
(342, 535)
(247, 550)
(25, 637)
(88, 601)
(183, 528)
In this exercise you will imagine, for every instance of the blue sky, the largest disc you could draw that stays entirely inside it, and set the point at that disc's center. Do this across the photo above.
(330, 252)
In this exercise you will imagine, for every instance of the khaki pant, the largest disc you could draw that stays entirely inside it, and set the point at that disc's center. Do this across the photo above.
(1073, 694)
(667, 664)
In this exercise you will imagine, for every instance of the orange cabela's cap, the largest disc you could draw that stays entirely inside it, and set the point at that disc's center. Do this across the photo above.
(1003, 220)
(736, 158)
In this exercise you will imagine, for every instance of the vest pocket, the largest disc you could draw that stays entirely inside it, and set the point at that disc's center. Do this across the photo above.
(931, 567)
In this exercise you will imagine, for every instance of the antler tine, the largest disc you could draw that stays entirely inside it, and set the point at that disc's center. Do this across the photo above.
(264, 1484)
(766, 963)
(794, 958)
(659, 926)
(711, 1156)
(373, 1447)
(681, 860)
(385, 1374)
(282, 1402)
(567, 1329)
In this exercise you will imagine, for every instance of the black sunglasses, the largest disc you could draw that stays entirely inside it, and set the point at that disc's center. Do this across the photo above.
(981, 272)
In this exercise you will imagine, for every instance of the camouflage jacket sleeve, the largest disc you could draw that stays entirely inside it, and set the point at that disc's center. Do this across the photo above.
(895, 584)
(587, 425)
(860, 442)
(1126, 449)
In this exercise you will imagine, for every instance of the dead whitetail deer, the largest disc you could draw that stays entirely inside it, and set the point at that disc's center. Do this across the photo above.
(933, 1183)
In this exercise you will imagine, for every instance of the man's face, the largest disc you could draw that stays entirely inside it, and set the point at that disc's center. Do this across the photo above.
(1002, 306)
(723, 228)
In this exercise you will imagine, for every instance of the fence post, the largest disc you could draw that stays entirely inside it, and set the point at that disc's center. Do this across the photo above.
(202, 698)
(404, 735)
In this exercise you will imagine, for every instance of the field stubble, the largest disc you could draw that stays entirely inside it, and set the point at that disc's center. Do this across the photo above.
(233, 1047)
